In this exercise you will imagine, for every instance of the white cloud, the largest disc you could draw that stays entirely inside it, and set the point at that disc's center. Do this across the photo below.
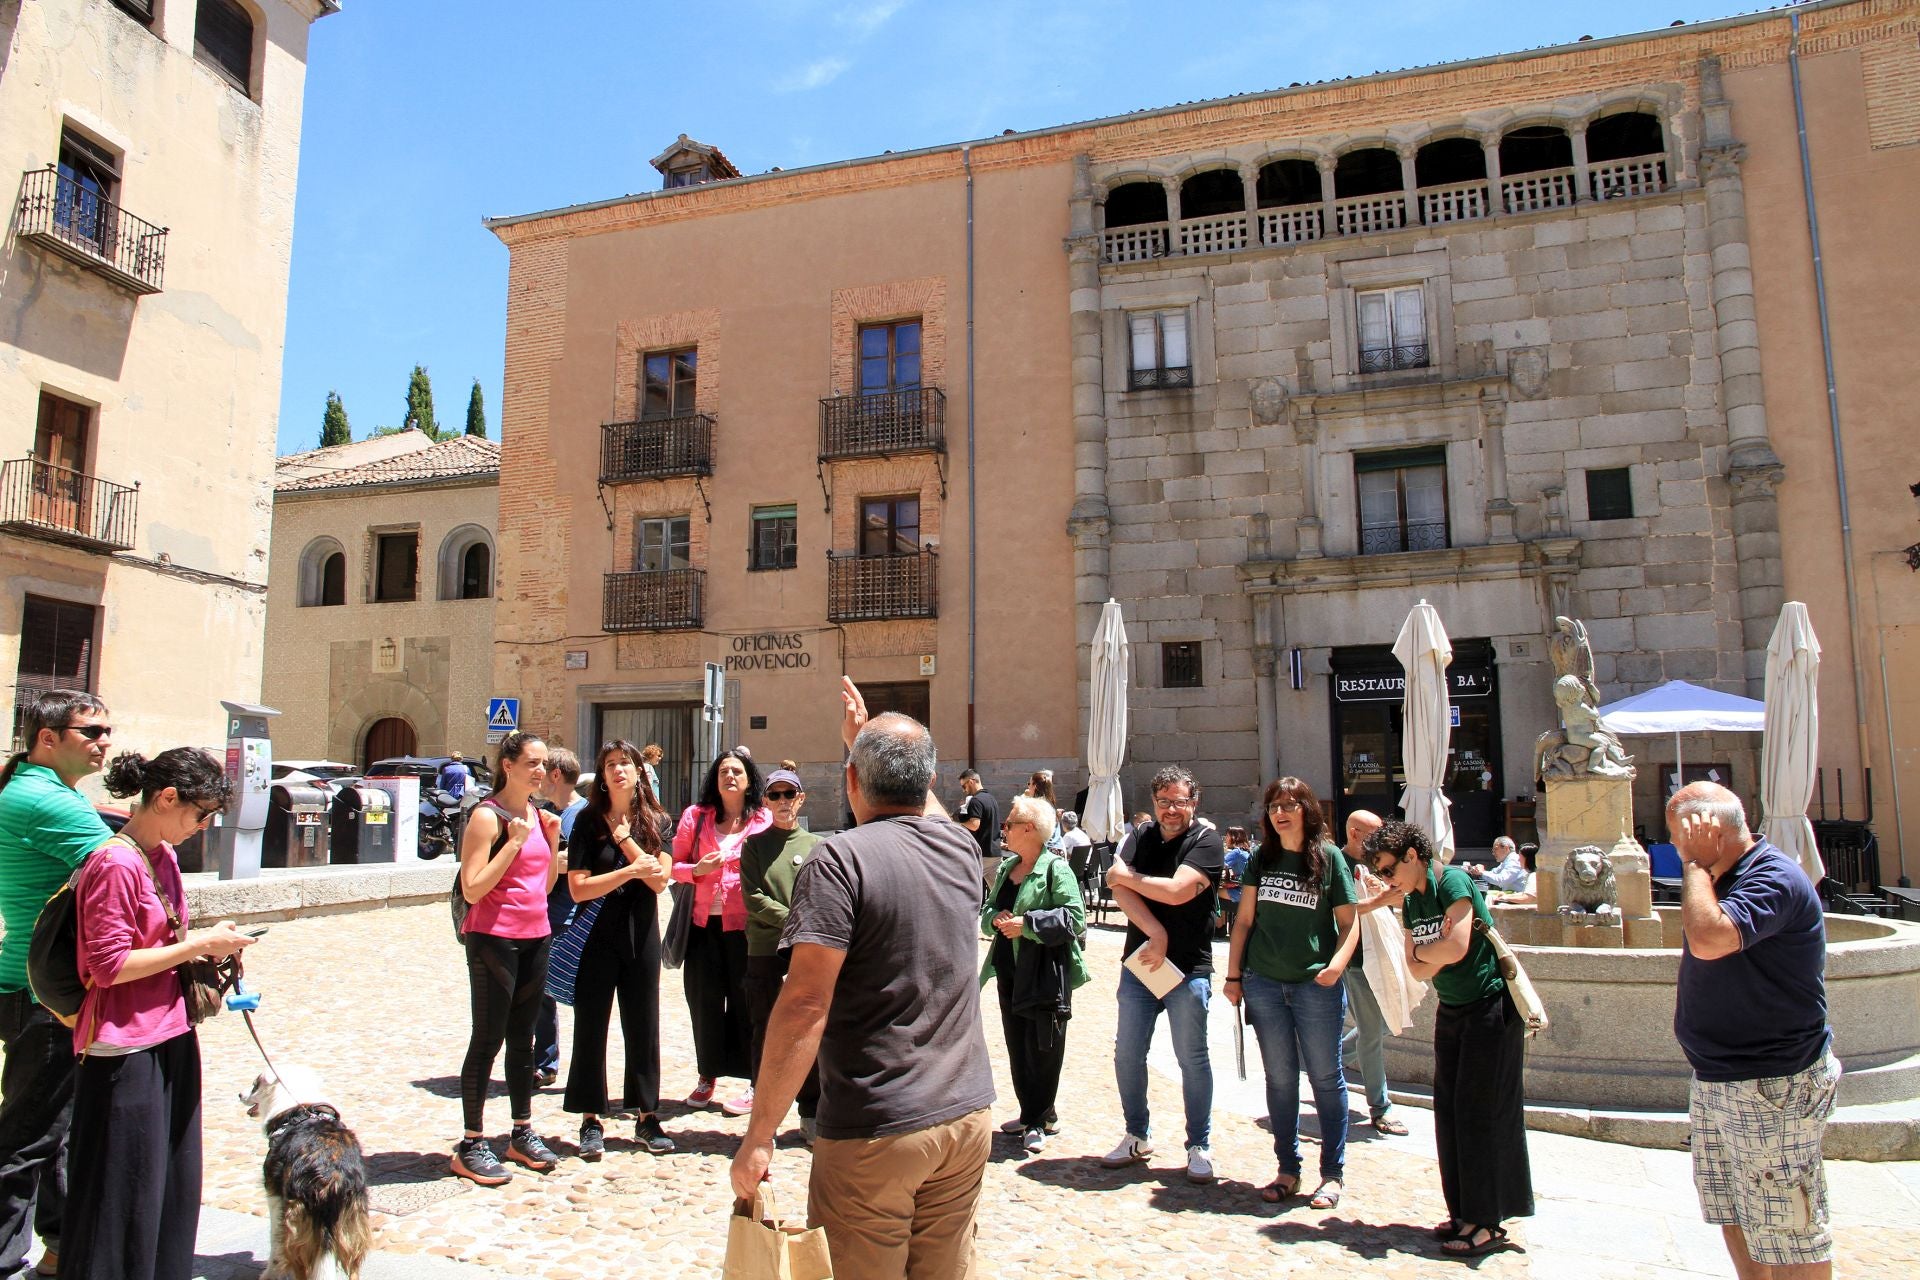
(822, 71)
(865, 19)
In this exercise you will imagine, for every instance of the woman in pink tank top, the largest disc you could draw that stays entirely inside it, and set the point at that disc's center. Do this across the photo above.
(508, 864)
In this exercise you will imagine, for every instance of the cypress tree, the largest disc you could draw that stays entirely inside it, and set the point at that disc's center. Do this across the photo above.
(333, 424)
(476, 413)
(420, 404)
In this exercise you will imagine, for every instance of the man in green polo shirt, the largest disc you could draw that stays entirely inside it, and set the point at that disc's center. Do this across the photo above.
(46, 829)
(770, 862)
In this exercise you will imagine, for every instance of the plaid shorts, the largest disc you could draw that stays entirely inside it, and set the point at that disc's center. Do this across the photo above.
(1757, 1164)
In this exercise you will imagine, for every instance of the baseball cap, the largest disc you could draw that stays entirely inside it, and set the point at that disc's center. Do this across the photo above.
(787, 776)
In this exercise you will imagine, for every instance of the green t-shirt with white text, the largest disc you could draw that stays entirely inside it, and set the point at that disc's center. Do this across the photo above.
(1477, 975)
(1294, 931)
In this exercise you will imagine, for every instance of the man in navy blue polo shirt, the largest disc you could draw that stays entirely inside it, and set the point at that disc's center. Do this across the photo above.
(1752, 1018)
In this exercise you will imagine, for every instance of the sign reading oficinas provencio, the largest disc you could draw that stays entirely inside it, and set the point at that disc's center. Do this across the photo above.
(768, 651)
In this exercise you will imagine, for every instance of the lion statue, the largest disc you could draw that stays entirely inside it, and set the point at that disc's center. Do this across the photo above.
(1587, 888)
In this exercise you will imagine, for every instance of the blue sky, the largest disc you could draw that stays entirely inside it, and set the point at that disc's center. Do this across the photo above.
(423, 116)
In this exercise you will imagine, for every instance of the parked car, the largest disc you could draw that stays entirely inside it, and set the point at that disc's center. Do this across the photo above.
(313, 770)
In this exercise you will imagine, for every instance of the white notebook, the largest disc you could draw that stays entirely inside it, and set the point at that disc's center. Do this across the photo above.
(1159, 981)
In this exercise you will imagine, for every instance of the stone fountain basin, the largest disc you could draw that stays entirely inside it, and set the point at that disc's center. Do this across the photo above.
(1611, 1043)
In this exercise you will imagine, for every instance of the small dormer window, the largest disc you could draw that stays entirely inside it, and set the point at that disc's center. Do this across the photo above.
(688, 163)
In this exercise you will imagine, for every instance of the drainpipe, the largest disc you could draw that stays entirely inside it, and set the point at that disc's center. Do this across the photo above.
(1833, 406)
(973, 523)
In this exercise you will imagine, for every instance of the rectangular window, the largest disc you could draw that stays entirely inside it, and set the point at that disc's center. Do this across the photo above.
(776, 538)
(889, 357)
(889, 526)
(56, 651)
(83, 202)
(396, 567)
(664, 543)
(1609, 494)
(223, 40)
(1403, 500)
(1158, 342)
(1180, 665)
(668, 380)
(1393, 329)
(140, 11)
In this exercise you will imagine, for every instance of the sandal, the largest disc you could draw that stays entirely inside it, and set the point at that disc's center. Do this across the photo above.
(1327, 1195)
(1284, 1187)
(1468, 1244)
(1388, 1125)
(1447, 1230)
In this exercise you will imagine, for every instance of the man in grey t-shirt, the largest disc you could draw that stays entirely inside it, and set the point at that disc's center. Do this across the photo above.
(883, 940)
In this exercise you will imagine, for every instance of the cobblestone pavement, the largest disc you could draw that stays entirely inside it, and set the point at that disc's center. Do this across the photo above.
(376, 1001)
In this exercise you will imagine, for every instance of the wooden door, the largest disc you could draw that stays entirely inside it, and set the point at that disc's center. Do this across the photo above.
(60, 452)
(386, 739)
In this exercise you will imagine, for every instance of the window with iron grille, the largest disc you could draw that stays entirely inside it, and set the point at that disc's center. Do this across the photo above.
(1393, 329)
(1158, 343)
(668, 381)
(1180, 665)
(56, 651)
(223, 39)
(1610, 494)
(889, 357)
(662, 543)
(776, 538)
(396, 571)
(889, 526)
(1403, 500)
(89, 181)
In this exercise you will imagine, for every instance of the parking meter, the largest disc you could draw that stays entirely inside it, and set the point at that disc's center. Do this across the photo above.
(249, 764)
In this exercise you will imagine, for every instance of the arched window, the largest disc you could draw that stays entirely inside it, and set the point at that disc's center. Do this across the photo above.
(223, 40)
(466, 564)
(1626, 155)
(323, 573)
(1212, 192)
(1135, 203)
(1536, 168)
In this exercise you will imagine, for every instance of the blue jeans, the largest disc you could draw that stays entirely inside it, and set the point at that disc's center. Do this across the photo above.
(1298, 1024)
(1186, 1008)
(1367, 1041)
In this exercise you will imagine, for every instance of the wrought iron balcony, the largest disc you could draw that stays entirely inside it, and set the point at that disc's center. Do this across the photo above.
(1161, 379)
(1412, 355)
(657, 448)
(876, 588)
(1414, 535)
(41, 500)
(77, 222)
(654, 600)
(885, 422)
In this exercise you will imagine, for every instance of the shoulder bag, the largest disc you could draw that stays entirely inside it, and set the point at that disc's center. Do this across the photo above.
(204, 983)
(673, 948)
(1526, 1001)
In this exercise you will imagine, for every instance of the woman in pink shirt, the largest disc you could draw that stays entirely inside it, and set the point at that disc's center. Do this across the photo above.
(133, 1162)
(508, 866)
(706, 854)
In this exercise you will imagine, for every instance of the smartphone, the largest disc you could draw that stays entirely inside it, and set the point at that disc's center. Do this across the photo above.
(258, 931)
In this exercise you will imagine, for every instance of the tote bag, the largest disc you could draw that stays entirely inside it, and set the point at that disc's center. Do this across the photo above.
(563, 959)
(761, 1247)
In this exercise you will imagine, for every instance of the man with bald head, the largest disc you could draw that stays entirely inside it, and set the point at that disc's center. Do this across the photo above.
(1751, 1015)
(1366, 1045)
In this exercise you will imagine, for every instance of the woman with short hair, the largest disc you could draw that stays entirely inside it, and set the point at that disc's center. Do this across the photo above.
(1479, 1038)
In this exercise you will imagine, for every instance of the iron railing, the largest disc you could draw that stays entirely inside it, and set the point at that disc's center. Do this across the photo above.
(79, 223)
(1411, 355)
(660, 447)
(875, 588)
(1149, 379)
(883, 422)
(654, 600)
(1414, 535)
(44, 500)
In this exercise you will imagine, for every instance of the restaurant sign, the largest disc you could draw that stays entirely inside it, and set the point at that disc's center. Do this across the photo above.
(1391, 686)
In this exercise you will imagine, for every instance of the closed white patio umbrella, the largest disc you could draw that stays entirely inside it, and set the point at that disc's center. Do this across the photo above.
(1790, 748)
(1425, 732)
(1106, 815)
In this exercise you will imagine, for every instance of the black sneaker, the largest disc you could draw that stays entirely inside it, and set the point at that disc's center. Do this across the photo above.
(525, 1147)
(648, 1133)
(473, 1159)
(593, 1140)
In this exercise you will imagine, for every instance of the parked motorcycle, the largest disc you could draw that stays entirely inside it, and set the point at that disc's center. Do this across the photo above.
(441, 821)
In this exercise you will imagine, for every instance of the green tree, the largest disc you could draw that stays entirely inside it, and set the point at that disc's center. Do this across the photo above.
(420, 404)
(333, 424)
(476, 413)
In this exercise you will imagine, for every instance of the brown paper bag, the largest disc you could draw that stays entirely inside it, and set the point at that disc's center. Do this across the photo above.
(761, 1247)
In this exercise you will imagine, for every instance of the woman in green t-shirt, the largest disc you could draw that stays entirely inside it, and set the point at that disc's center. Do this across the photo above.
(1293, 934)
(1479, 1098)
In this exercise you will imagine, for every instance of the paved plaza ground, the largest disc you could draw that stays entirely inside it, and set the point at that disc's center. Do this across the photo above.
(377, 1002)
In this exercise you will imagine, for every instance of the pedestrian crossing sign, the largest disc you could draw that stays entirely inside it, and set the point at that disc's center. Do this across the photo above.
(503, 715)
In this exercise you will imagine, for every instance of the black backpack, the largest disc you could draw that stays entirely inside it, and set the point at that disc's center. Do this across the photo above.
(53, 954)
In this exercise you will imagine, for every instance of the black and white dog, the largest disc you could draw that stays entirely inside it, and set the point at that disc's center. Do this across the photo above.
(315, 1178)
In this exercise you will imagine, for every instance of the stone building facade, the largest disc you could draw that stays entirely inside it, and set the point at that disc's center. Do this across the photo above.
(1492, 334)
(380, 612)
(143, 287)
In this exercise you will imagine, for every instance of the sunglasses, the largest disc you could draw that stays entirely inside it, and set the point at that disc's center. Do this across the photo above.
(782, 794)
(1383, 867)
(91, 732)
(208, 815)
(1284, 806)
